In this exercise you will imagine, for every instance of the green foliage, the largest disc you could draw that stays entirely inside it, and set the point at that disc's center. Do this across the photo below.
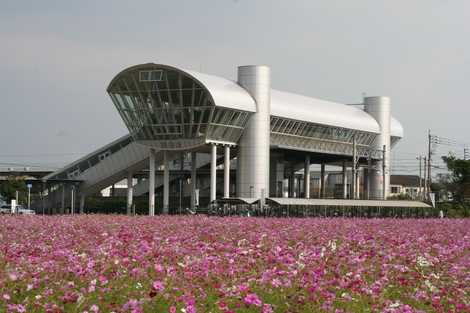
(459, 168)
(454, 209)
(9, 187)
(403, 196)
(115, 205)
(459, 181)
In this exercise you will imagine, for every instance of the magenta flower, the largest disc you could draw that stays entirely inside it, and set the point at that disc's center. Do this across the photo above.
(252, 299)
(267, 308)
(158, 268)
(158, 286)
(128, 264)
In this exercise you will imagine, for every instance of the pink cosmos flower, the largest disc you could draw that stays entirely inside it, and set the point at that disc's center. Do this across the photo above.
(189, 309)
(13, 276)
(158, 268)
(252, 299)
(16, 308)
(158, 286)
(267, 308)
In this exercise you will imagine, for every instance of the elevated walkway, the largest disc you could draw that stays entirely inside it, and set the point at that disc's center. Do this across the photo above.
(109, 165)
(102, 168)
(105, 166)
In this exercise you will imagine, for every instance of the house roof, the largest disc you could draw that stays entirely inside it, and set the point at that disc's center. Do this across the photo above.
(405, 180)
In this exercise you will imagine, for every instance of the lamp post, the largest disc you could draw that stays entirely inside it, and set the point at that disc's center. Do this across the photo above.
(29, 195)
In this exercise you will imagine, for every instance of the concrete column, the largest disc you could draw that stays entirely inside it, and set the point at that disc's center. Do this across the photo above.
(345, 181)
(367, 178)
(130, 192)
(358, 185)
(152, 182)
(322, 181)
(62, 200)
(280, 179)
(82, 204)
(294, 186)
(291, 182)
(254, 145)
(354, 171)
(166, 182)
(380, 109)
(285, 186)
(227, 172)
(298, 187)
(307, 177)
(181, 182)
(213, 172)
(72, 200)
(193, 179)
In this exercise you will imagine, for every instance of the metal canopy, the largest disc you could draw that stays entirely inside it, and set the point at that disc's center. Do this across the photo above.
(349, 203)
(238, 200)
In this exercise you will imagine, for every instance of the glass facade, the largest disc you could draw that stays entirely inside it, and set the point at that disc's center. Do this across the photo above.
(164, 106)
(320, 138)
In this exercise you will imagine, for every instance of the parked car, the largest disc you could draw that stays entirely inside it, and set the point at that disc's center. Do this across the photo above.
(21, 210)
(6, 209)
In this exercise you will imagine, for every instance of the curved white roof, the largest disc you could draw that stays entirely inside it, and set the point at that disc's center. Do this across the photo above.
(297, 107)
(226, 93)
(396, 129)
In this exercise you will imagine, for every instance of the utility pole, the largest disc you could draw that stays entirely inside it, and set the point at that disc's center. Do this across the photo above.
(420, 181)
(425, 180)
(465, 153)
(429, 160)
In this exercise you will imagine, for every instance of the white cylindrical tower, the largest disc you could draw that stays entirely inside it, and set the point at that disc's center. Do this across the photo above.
(380, 109)
(254, 145)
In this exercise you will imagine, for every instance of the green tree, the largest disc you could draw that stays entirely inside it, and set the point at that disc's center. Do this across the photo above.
(9, 187)
(459, 181)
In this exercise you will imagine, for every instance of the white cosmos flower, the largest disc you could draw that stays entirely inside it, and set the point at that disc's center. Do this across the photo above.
(430, 286)
(394, 305)
(422, 261)
(322, 253)
(332, 245)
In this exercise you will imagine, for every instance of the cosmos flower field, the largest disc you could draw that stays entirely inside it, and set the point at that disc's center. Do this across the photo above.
(99, 263)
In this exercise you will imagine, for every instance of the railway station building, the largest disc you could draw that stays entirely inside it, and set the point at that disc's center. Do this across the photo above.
(204, 139)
